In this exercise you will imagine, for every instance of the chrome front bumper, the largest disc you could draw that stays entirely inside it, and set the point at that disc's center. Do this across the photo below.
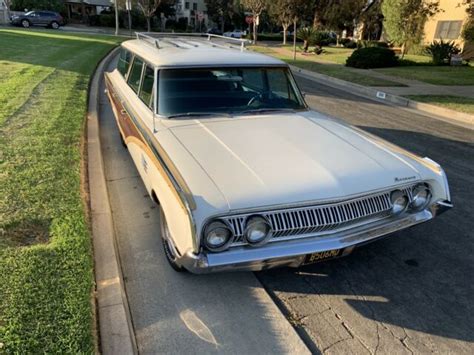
(293, 253)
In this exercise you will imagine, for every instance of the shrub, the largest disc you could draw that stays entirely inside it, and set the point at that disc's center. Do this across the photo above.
(318, 50)
(368, 44)
(372, 57)
(350, 44)
(277, 37)
(107, 20)
(93, 20)
(322, 38)
(441, 51)
(306, 34)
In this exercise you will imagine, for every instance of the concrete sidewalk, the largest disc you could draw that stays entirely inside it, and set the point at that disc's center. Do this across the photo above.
(97, 30)
(416, 87)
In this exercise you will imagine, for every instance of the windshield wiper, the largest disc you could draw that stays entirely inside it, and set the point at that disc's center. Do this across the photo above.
(197, 114)
(261, 110)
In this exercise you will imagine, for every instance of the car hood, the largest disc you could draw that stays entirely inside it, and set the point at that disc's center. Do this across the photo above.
(288, 159)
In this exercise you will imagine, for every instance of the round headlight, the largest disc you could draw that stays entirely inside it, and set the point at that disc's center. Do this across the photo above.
(421, 197)
(217, 236)
(257, 230)
(399, 201)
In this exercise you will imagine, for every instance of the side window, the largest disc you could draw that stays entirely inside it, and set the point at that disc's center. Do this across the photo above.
(135, 74)
(279, 84)
(124, 62)
(147, 85)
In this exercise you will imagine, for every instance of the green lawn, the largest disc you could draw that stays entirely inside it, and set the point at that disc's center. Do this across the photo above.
(336, 55)
(438, 75)
(319, 64)
(46, 269)
(457, 103)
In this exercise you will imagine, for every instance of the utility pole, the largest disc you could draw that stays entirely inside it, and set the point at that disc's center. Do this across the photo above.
(116, 18)
(294, 39)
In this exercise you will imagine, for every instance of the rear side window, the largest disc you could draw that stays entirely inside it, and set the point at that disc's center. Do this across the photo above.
(135, 74)
(147, 85)
(124, 62)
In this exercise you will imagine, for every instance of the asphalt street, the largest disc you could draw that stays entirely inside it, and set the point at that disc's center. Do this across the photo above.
(409, 293)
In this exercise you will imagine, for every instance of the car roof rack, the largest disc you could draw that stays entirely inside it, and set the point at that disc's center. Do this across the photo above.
(160, 40)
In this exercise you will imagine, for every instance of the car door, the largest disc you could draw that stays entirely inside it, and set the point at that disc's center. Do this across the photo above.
(33, 18)
(44, 18)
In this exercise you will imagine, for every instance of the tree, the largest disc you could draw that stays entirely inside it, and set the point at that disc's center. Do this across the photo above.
(404, 20)
(468, 29)
(149, 8)
(370, 21)
(8, 4)
(223, 11)
(256, 7)
(20, 5)
(337, 15)
(283, 11)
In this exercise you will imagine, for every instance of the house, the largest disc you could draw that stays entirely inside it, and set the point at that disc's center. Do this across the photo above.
(194, 11)
(448, 23)
(76, 9)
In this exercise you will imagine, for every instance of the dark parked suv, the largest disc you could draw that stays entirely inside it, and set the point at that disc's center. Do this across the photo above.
(38, 18)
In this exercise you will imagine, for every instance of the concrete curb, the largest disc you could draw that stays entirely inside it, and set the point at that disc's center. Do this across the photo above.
(115, 326)
(458, 118)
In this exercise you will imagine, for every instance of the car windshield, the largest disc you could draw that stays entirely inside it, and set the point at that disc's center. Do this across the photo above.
(226, 90)
(29, 13)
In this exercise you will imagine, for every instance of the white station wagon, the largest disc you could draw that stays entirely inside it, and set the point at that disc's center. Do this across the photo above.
(247, 177)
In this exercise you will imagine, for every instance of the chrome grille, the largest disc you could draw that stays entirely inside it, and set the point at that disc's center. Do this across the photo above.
(295, 222)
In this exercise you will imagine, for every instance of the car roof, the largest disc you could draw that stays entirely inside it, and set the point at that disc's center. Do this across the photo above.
(196, 52)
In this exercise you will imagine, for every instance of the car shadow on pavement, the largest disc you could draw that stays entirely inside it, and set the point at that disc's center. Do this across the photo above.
(416, 283)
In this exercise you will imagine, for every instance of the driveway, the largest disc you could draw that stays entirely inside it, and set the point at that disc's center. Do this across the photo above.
(408, 293)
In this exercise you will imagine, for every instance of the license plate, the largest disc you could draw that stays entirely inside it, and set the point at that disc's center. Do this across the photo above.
(322, 256)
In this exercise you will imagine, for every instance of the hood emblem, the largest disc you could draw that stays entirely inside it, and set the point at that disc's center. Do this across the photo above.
(406, 178)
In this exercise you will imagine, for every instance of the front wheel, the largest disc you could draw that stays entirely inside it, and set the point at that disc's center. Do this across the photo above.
(168, 248)
(55, 25)
(25, 23)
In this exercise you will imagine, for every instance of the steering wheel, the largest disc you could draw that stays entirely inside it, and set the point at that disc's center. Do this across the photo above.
(254, 98)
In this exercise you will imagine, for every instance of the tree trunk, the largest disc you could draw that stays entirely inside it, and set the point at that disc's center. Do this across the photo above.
(305, 45)
(254, 31)
(294, 39)
(404, 48)
(116, 18)
(285, 32)
(148, 23)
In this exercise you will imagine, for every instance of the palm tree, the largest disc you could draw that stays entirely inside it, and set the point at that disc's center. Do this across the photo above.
(306, 34)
